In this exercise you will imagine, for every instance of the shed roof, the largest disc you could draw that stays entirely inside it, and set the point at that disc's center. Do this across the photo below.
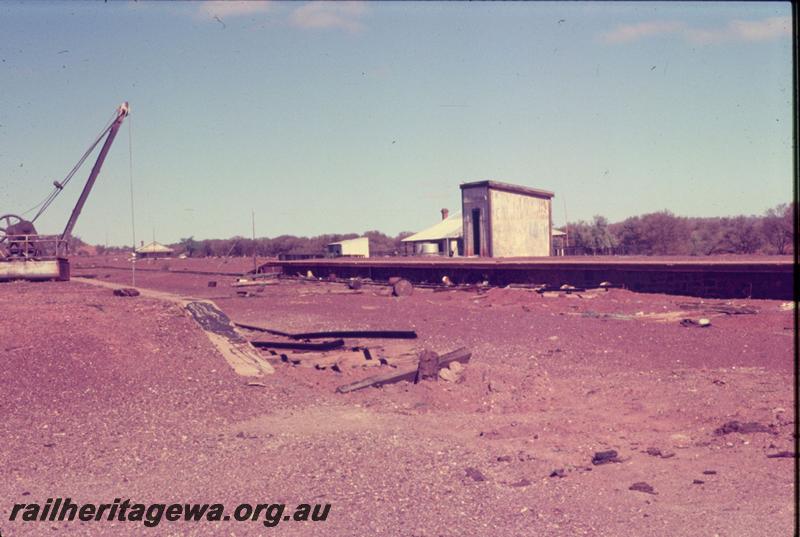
(350, 241)
(507, 187)
(153, 248)
(449, 228)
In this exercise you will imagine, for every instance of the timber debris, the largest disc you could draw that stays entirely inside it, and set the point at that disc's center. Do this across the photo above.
(727, 309)
(334, 354)
(360, 334)
(410, 374)
(300, 346)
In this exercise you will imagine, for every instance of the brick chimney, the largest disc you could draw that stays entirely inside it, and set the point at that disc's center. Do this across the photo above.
(445, 213)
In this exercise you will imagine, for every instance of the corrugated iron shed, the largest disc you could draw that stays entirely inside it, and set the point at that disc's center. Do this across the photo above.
(449, 228)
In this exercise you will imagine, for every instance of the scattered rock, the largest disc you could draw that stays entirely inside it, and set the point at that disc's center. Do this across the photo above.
(656, 452)
(709, 472)
(495, 386)
(680, 440)
(126, 291)
(447, 375)
(742, 428)
(474, 474)
(402, 288)
(605, 457)
(700, 323)
(523, 456)
(521, 483)
(212, 284)
(453, 374)
(697, 482)
(782, 455)
(504, 458)
(559, 472)
(354, 284)
(641, 486)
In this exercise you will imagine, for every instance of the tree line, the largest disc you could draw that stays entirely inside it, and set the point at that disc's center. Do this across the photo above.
(659, 233)
(379, 244)
(663, 233)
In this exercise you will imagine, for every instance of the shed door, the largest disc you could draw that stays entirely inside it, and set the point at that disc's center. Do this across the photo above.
(476, 231)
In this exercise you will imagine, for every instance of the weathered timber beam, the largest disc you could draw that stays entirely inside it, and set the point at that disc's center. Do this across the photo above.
(262, 329)
(323, 346)
(360, 334)
(255, 284)
(461, 355)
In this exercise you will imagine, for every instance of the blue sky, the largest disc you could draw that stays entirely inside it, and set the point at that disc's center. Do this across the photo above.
(346, 117)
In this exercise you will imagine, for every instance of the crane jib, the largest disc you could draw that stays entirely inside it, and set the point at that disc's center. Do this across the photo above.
(122, 112)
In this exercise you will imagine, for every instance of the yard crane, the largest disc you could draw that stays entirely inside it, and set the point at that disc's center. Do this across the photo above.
(24, 254)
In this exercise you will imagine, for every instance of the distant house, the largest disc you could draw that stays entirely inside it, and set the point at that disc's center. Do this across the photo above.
(153, 250)
(443, 238)
(358, 247)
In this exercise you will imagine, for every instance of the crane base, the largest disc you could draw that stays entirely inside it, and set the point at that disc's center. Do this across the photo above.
(34, 269)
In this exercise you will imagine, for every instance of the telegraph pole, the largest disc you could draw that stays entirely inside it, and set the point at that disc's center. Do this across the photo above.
(255, 263)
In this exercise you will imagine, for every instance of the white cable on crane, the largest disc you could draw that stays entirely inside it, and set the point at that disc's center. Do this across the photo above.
(133, 221)
(59, 186)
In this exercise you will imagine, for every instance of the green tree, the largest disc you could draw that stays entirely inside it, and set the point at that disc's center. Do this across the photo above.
(189, 246)
(660, 233)
(777, 227)
(741, 235)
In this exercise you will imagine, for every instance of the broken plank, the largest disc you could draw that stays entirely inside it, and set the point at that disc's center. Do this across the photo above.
(727, 309)
(323, 346)
(461, 355)
(320, 360)
(360, 334)
(262, 329)
(254, 284)
(390, 349)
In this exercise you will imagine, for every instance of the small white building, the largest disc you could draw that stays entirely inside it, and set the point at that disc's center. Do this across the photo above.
(358, 247)
(153, 250)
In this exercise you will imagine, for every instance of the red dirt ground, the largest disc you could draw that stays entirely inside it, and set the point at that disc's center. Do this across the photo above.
(106, 397)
